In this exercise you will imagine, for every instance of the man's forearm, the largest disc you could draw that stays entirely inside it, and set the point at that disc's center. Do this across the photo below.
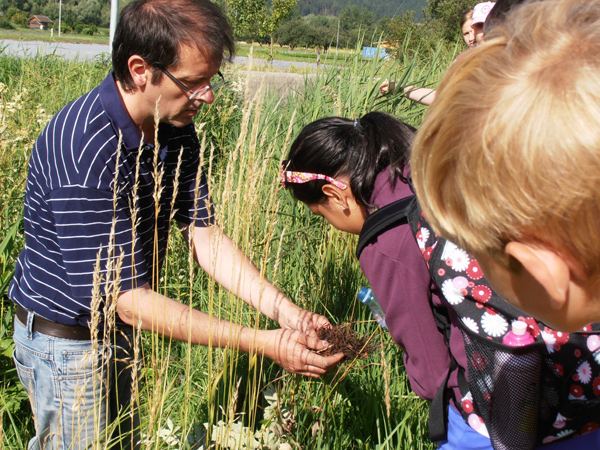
(221, 258)
(154, 312)
(289, 348)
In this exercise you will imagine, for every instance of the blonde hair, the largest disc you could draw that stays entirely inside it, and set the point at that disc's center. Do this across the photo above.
(510, 149)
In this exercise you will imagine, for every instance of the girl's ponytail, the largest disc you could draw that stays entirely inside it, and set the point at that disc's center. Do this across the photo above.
(359, 149)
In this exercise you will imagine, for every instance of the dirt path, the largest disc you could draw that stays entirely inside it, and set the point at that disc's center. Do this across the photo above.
(281, 82)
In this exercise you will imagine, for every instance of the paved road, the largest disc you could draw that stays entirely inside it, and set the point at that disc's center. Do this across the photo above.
(92, 51)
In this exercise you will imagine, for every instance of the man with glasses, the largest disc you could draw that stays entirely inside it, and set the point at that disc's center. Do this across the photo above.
(106, 178)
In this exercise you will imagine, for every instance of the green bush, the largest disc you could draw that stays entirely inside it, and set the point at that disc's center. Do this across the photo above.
(78, 27)
(446, 16)
(19, 18)
(295, 33)
(5, 24)
(11, 12)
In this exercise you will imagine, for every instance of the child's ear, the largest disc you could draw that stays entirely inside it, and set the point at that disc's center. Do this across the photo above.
(548, 268)
(335, 194)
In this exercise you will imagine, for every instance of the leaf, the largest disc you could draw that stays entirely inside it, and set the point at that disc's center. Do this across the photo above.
(7, 244)
(7, 347)
(270, 394)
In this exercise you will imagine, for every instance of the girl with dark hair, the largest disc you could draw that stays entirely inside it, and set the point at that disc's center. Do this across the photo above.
(343, 170)
(356, 150)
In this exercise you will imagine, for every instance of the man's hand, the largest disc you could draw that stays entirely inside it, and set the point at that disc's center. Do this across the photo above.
(292, 317)
(291, 349)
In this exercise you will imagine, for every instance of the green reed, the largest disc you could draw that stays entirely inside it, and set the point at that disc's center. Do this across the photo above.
(364, 404)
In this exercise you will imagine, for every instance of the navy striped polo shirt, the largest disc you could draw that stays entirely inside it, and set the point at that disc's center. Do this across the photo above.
(85, 193)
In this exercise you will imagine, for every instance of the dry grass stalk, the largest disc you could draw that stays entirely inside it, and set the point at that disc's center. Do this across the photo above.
(161, 348)
(386, 380)
(137, 331)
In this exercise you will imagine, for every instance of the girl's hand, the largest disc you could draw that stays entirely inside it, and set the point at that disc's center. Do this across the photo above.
(387, 87)
(291, 349)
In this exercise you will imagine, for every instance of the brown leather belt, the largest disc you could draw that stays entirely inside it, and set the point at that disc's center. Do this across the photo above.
(55, 329)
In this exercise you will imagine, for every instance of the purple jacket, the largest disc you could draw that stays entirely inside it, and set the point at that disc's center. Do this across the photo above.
(400, 280)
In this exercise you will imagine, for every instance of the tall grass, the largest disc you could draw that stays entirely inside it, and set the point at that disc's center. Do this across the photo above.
(31, 91)
(191, 395)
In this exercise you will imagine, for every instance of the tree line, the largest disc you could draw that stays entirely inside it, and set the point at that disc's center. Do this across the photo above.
(75, 13)
(329, 23)
(388, 8)
(281, 22)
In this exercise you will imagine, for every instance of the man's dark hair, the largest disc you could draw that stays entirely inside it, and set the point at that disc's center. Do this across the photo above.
(156, 29)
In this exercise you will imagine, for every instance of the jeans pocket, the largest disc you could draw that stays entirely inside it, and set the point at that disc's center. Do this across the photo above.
(81, 360)
(83, 371)
(27, 377)
(83, 386)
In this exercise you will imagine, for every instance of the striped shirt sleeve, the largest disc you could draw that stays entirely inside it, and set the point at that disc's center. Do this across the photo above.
(193, 200)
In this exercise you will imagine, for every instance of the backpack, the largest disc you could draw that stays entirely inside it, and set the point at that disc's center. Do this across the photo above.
(522, 397)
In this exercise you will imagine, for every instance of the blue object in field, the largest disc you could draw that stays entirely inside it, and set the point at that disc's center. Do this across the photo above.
(365, 295)
(371, 52)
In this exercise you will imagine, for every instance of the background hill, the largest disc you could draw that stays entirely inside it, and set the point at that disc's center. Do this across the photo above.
(389, 8)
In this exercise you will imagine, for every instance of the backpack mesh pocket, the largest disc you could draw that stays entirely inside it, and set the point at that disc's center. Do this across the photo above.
(506, 391)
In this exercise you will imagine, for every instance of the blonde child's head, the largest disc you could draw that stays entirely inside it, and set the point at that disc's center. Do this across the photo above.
(507, 161)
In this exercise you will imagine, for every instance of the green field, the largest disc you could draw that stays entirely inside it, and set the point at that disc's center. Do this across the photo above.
(101, 37)
(242, 49)
(244, 400)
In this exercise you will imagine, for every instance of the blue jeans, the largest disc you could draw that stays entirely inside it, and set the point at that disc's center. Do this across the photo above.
(461, 436)
(77, 390)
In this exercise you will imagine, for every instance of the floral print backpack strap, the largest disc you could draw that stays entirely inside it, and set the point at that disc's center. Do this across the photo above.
(559, 380)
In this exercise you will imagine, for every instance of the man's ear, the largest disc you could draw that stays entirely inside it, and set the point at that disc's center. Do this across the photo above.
(140, 70)
(548, 268)
(335, 194)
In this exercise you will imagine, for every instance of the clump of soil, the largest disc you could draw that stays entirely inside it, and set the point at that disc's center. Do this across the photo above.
(342, 339)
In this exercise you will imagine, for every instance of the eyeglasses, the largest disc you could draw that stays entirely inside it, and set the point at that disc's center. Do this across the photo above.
(289, 176)
(200, 91)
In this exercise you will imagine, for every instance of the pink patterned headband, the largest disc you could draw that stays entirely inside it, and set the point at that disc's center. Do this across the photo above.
(288, 176)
